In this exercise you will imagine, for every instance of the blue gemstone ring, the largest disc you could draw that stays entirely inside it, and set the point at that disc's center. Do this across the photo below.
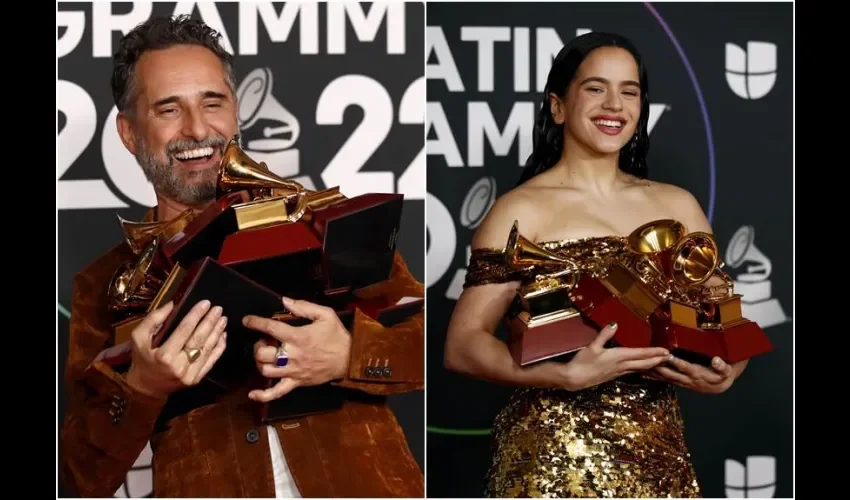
(282, 356)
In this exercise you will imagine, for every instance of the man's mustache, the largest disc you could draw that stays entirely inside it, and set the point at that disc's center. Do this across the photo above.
(186, 144)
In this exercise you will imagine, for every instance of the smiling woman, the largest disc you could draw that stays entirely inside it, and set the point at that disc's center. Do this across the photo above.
(604, 95)
(605, 421)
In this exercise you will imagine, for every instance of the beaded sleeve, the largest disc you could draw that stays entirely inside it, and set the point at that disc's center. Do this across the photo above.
(488, 266)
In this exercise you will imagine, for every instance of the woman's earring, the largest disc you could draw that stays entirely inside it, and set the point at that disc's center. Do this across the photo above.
(634, 149)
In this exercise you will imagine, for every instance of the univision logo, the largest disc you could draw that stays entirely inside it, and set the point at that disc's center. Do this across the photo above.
(756, 479)
(751, 73)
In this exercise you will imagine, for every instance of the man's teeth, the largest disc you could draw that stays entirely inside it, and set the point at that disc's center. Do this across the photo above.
(191, 154)
(609, 123)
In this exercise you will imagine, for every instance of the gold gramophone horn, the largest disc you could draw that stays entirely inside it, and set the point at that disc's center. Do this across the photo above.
(695, 258)
(239, 172)
(140, 234)
(134, 284)
(521, 252)
(655, 241)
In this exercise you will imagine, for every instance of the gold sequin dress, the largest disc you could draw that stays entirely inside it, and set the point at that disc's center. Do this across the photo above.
(624, 438)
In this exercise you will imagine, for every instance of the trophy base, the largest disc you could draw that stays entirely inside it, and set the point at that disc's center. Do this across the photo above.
(205, 234)
(534, 339)
(283, 257)
(387, 313)
(732, 342)
(302, 401)
(238, 296)
(602, 306)
(359, 237)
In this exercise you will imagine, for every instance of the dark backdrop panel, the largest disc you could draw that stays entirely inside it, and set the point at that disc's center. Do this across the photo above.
(347, 79)
(721, 126)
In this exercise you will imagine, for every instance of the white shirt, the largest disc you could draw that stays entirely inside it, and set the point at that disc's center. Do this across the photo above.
(139, 480)
(284, 483)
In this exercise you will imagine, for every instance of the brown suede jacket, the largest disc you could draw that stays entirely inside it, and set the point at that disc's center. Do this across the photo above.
(222, 449)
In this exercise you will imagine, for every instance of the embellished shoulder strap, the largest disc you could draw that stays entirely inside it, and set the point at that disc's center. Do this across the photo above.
(488, 266)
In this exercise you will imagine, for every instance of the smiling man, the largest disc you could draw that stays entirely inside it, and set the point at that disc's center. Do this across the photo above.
(174, 87)
(178, 110)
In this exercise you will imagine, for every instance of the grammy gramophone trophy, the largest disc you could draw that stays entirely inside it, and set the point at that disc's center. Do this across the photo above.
(263, 237)
(135, 284)
(564, 308)
(666, 289)
(680, 298)
(353, 240)
(542, 321)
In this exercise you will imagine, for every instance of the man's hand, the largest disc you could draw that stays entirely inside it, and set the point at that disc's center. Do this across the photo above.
(318, 352)
(160, 371)
(714, 380)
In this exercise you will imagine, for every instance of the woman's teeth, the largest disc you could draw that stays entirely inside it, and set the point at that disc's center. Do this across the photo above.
(609, 123)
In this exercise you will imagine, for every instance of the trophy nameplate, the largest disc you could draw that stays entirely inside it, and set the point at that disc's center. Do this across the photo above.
(546, 325)
(359, 237)
(621, 298)
(285, 258)
(205, 234)
(238, 296)
(716, 329)
(305, 400)
(261, 212)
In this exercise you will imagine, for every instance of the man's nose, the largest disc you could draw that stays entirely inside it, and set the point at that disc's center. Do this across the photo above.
(195, 125)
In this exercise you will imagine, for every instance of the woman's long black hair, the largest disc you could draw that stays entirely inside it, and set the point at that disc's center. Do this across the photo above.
(549, 137)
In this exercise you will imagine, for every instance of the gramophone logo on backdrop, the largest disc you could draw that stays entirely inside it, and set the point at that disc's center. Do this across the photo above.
(751, 73)
(757, 303)
(269, 130)
(441, 225)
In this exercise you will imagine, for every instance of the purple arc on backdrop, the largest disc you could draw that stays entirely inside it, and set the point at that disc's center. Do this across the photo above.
(703, 109)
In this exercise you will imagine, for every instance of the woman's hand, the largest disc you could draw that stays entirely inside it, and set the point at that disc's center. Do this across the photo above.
(714, 380)
(595, 364)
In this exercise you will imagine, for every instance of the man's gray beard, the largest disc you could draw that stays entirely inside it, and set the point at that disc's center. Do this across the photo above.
(188, 188)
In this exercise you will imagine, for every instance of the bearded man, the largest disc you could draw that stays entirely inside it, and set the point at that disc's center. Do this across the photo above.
(174, 88)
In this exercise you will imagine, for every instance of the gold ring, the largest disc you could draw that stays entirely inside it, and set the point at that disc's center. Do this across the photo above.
(193, 352)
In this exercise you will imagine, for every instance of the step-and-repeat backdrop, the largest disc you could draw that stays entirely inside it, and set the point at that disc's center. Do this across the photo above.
(721, 126)
(343, 103)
